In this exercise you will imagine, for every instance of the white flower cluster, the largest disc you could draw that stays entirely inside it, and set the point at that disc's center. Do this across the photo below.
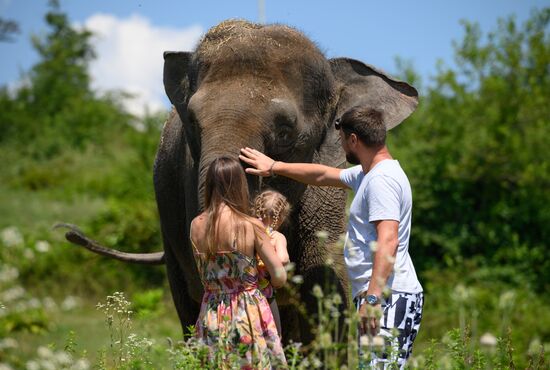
(116, 304)
(48, 359)
(12, 294)
(11, 237)
(8, 343)
(42, 246)
(70, 303)
(370, 341)
(8, 274)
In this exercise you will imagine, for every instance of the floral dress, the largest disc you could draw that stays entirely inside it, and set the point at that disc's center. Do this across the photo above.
(235, 316)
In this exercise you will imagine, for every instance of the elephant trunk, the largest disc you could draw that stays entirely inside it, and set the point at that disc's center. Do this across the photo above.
(227, 144)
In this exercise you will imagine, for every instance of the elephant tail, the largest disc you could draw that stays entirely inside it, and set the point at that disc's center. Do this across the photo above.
(76, 236)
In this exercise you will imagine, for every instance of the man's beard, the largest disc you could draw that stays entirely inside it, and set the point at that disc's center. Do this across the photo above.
(352, 158)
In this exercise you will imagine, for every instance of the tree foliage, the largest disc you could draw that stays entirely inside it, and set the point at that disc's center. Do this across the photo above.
(54, 105)
(476, 152)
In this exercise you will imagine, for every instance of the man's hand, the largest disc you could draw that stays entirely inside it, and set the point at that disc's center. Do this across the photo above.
(262, 163)
(369, 316)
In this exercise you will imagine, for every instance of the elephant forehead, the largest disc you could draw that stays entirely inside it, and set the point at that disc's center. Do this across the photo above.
(257, 46)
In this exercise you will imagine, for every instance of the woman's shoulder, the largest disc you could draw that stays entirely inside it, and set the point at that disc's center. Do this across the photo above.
(198, 223)
(200, 219)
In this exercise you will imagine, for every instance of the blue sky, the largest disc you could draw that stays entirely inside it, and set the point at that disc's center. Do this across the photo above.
(133, 33)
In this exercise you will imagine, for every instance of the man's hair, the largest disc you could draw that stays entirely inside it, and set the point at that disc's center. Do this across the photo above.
(366, 123)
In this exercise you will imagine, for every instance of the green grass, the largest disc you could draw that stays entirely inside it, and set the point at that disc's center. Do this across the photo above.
(91, 333)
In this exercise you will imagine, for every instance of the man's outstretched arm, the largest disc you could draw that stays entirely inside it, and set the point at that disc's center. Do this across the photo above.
(307, 173)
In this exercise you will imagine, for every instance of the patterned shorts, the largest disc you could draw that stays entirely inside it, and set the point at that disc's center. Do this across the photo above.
(398, 326)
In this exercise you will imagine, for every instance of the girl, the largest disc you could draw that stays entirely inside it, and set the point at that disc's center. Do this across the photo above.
(272, 208)
(234, 313)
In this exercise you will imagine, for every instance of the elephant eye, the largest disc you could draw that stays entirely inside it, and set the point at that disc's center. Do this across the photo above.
(284, 129)
(284, 134)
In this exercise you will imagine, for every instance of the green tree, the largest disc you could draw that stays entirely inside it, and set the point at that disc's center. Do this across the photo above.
(55, 107)
(476, 152)
(62, 73)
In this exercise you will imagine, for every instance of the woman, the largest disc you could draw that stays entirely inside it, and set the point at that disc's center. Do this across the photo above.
(235, 316)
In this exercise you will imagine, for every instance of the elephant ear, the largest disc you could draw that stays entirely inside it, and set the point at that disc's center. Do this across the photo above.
(178, 88)
(364, 85)
(176, 80)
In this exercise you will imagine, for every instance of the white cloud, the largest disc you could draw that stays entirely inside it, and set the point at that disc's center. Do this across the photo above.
(129, 57)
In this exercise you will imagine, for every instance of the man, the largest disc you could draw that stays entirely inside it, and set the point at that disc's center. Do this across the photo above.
(376, 249)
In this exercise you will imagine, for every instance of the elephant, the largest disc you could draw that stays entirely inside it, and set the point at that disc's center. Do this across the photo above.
(268, 87)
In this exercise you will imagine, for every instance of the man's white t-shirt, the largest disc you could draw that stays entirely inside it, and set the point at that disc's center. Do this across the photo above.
(384, 193)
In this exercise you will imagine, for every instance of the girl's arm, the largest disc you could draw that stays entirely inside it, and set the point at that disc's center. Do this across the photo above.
(280, 248)
(267, 253)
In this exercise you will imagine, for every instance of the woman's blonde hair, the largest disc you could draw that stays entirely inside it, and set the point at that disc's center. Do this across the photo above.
(226, 184)
(272, 205)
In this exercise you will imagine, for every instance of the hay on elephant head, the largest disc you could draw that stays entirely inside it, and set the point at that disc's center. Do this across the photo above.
(233, 36)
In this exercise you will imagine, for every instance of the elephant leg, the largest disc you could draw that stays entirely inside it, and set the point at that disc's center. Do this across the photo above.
(290, 324)
(186, 307)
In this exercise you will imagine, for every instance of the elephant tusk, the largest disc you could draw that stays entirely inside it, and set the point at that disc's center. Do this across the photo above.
(76, 236)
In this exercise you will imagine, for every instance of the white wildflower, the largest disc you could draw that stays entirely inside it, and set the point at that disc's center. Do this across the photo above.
(12, 294)
(8, 343)
(364, 340)
(461, 293)
(317, 291)
(368, 341)
(325, 340)
(34, 303)
(69, 303)
(488, 340)
(81, 364)
(8, 273)
(373, 246)
(11, 237)
(506, 300)
(44, 352)
(390, 259)
(378, 341)
(33, 365)
(534, 347)
(63, 358)
(49, 303)
(316, 363)
(290, 266)
(297, 279)
(322, 235)
(48, 365)
(42, 246)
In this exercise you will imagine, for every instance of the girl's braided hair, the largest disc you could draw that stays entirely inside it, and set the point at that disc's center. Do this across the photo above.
(271, 204)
